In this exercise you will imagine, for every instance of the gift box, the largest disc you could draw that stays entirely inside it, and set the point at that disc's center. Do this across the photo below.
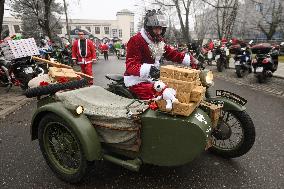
(178, 85)
(179, 108)
(57, 73)
(183, 97)
(197, 93)
(179, 73)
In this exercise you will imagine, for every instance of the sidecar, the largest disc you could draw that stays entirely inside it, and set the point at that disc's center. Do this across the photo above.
(76, 127)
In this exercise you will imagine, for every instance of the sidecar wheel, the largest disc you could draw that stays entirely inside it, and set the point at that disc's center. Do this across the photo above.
(62, 149)
(235, 135)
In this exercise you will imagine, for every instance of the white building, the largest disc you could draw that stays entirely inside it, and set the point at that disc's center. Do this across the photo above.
(122, 27)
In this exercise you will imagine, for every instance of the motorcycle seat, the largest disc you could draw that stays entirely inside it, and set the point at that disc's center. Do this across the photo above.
(98, 101)
(114, 77)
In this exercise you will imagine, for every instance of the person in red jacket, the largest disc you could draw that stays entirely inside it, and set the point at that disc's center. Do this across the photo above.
(105, 50)
(84, 54)
(144, 53)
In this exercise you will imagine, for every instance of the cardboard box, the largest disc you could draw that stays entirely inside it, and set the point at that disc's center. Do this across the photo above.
(57, 73)
(179, 73)
(197, 93)
(178, 85)
(178, 108)
(183, 97)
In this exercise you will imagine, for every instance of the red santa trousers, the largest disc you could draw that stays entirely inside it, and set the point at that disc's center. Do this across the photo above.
(143, 91)
(87, 69)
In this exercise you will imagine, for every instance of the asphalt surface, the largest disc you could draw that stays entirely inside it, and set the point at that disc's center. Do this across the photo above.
(22, 165)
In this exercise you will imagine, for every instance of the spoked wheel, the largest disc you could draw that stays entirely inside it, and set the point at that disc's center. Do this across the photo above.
(62, 149)
(234, 136)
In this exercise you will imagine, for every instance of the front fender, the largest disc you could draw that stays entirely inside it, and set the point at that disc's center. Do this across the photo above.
(79, 123)
(228, 103)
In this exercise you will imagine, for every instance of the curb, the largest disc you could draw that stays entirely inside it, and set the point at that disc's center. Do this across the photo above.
(11, 109)
(276, 76)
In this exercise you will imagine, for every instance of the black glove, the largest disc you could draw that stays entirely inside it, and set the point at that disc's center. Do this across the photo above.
(154, 72)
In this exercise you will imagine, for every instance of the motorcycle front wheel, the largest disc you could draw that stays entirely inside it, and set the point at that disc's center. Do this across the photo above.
(234, 136)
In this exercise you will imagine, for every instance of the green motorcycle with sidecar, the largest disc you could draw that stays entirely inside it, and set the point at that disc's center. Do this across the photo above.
(75, 127)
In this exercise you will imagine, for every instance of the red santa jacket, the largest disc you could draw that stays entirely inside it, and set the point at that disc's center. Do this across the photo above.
(104, 47)
(140, 57)
(90, 52)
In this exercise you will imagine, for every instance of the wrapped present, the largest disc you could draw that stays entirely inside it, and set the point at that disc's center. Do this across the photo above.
(197, 93)
(178, 85)
(57, 73)
(179, 73)
(183, 97)
(178, 108)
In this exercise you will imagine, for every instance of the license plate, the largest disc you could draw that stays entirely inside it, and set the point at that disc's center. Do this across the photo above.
(210, 55)
(227, 52)
(259, 69)
(217, 57)
(237, 63)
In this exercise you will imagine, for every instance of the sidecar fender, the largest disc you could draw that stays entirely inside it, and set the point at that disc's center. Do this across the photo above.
(79, 123)
(228, 103)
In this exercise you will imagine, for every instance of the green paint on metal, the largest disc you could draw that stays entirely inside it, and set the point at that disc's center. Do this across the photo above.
(79, 123)
(171, 141)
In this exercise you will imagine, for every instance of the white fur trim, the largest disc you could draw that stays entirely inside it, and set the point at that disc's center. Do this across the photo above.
(145, 37)
(133, 80)
(186, 60)
(145, 70)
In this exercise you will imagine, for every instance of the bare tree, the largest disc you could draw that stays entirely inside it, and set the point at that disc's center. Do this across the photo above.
(41, 11)
(272, 17)
(226, 12)
(182, 8)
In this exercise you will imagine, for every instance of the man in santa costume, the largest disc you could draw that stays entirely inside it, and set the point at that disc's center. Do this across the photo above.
(84, 54)
(144, 52)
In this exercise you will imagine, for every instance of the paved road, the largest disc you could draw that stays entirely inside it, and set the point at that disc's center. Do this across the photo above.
(22, 165)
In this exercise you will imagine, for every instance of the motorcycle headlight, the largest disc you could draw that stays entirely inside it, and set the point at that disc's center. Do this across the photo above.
(79, 110)
(206, 77)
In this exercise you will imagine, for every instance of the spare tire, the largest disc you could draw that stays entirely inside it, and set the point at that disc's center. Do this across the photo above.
(53, 88)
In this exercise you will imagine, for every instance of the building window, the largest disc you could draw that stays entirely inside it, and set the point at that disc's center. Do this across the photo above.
(78, 27)
(88, 28)
(114, 32)
(259, 7)
(120, 33)
(97, 30)
(17, 29)
(106, 30)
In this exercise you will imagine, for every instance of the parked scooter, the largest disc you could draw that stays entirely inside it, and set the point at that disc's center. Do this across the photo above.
(265, 62)
(243, 58)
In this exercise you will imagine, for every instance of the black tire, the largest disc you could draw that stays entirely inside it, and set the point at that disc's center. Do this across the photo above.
(239, 71)
(245, 143)
(260, 77)
(54, 129)
(24, 81)
(53, 88)
(220, 65)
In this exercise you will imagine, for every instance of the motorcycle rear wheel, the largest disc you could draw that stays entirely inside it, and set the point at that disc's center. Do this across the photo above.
(223, 143)
(260, 77)
(220, 65)
(239, 71)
